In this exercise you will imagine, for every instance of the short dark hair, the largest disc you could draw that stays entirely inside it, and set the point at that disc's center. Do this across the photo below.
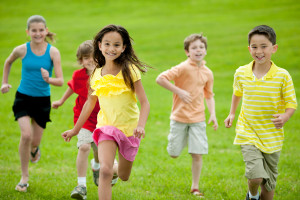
(263, 30)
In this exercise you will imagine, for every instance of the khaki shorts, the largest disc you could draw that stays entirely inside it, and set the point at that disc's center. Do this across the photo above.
(182, 133)
(84, 137)
(261, 165)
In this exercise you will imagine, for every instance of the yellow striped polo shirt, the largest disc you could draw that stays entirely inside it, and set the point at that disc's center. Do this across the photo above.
(262, 98)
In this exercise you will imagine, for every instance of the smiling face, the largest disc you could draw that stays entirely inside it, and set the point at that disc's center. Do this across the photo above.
(196, 51)
(111, 46)
(87, 62)
(37, 32)
(261, 49)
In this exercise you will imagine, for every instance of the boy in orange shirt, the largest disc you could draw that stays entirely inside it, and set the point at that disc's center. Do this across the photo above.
(193, 81)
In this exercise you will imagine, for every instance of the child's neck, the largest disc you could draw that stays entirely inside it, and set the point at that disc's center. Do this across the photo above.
(38, 48)
(198, 63)
(111, 68)
(260, 70)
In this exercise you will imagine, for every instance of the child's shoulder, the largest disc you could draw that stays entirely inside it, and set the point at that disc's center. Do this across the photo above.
(79, 72)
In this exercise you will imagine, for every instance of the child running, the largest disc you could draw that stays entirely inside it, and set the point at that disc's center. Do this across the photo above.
(193, 81)
(32, 102)
(79, 85)
(269, 101)
(115, 82)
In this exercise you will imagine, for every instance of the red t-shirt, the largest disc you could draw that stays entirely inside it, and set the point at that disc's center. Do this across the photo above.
(79, 84)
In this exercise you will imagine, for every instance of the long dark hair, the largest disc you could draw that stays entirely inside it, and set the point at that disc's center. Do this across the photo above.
(126, 59)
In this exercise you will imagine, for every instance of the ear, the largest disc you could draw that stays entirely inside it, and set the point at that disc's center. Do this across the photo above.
(187, 53)
(275, 47)
(99, 45)
(249, 49)
(124, 47)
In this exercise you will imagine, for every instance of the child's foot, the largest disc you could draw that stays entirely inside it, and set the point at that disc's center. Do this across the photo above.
(197, 193)
(95, 173)
(35, 156)
(22, 187)
(249, 198)
(79, 192)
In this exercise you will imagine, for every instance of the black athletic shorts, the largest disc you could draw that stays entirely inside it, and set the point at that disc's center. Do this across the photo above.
(37, 108)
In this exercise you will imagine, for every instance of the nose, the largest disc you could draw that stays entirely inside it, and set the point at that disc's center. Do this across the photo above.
(259, 50)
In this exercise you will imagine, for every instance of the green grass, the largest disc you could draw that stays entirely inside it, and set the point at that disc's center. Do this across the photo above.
(158, 28)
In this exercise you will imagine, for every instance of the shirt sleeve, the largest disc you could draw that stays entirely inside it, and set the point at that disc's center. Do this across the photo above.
(135, 73)
(237, 88)
(72, 82)
(171, 74)
(288, 92)
(208, 88)
(93, 79)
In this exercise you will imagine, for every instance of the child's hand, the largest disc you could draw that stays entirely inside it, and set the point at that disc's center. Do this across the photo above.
(67, 135)
(215, 122)
(45, 74)
(56, 104)
(184, 96)
(279, 120)
(228, 121)
(139, 132)
(5, 87)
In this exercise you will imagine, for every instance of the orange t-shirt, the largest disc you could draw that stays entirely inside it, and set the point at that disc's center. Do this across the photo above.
(198, 81)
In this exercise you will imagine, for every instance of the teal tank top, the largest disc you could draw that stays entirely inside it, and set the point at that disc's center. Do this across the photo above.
(32, 82)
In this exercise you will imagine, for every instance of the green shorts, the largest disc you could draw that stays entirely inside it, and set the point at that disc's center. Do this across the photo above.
(193, 134)
(261, 165)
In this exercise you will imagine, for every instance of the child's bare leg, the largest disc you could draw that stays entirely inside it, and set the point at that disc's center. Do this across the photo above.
(82, 159)
(106, 152)
(196, 170)
(265, 194)
(95, 152)
(24, 146)
(124, 168)
(253, 185)
(37, 133)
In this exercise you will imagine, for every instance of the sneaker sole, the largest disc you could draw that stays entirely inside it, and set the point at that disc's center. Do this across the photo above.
(78, 196)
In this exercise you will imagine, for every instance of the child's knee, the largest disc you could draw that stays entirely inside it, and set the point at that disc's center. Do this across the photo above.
(256, 181)
(196, 157)
(106, 172)
(124, 177)
(85, 147)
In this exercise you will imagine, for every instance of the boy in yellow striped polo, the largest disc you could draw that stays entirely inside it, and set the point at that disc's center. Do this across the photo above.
(269, 101)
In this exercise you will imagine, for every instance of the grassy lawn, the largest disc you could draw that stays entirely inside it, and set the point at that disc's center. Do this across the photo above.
(158, 29)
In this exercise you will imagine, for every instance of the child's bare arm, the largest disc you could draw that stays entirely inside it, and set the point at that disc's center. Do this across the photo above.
(145, 108)
(211, 108)
(59, 79)
(18, 52)
(60, 102)
(234, 104)
(183, 95)
(84, 115)
(280, 119)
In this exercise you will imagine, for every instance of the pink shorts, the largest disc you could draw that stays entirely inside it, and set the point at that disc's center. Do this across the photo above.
(128, 146)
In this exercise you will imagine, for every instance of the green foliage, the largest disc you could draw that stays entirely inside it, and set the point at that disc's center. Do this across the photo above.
(158, 29)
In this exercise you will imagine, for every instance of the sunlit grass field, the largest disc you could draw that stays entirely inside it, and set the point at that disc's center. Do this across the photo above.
(158, 29)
